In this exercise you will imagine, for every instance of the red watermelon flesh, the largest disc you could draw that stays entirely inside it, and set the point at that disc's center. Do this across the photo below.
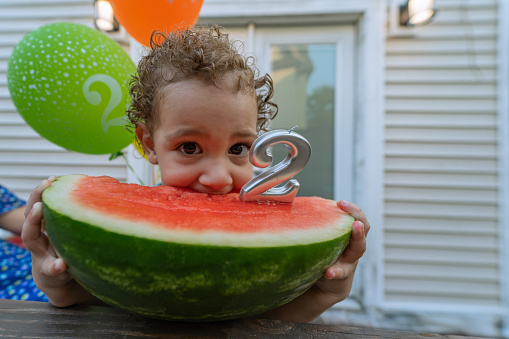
(182, 209)
(177, 254)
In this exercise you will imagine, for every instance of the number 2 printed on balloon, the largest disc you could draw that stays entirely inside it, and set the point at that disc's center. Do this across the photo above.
(95, 98)
(262, 187)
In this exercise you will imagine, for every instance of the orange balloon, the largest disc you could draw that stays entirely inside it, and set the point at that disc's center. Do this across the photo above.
(141, 17)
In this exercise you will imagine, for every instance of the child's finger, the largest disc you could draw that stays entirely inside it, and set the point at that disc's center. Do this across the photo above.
(31, 235)
(357, 245)
(59, 266)
(339, 270)
(350, 257)
(36, 194)
(54, 268)
(356, 212)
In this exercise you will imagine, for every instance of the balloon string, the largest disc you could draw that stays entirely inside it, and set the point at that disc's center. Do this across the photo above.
(118, 154)
(132, 170)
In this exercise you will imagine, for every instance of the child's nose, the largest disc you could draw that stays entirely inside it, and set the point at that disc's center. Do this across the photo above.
(216, 175)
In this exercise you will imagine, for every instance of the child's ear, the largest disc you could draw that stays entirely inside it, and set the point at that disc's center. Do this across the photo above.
(146, 142)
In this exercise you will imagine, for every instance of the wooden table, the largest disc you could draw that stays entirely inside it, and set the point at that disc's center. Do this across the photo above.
(37, 319)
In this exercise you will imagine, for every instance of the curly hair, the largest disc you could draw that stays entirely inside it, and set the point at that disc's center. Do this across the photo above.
(204, 53)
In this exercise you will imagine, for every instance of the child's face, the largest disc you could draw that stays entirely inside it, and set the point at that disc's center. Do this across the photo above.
(202, 137)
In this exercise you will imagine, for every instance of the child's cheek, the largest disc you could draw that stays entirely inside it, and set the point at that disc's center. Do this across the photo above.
(244, 175)
(179, 177)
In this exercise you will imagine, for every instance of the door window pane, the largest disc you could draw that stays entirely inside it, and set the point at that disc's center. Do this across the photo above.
(304, 85)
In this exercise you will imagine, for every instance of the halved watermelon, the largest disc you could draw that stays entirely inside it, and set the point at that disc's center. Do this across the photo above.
(177, 254)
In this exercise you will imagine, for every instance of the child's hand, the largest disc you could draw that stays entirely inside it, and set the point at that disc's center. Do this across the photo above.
(337, 280)
(49, 272)
(336, 283)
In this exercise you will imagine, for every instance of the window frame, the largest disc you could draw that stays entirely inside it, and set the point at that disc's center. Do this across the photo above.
(343, 38)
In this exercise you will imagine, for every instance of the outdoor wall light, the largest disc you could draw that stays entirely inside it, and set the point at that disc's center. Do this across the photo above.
(104, 18)
(416, 12)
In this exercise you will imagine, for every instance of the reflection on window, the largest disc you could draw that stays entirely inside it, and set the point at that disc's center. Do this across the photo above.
(304, 81)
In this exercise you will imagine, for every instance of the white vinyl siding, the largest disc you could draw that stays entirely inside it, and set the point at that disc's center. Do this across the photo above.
(441, 231)
(25, 157)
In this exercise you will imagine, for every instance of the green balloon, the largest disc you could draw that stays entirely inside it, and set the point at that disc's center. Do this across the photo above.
(71, 84)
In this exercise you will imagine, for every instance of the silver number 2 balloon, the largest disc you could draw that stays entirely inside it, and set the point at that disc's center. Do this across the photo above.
(262, 187)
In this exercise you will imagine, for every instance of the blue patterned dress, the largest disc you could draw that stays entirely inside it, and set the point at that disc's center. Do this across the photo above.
(15, 262)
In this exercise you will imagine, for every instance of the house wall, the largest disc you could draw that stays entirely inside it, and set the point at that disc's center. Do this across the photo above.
(443, 263)
(441, 226)
(445, 186)
(25, 157)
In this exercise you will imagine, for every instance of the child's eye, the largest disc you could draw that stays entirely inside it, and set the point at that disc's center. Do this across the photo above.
(239, 149)
(190, 148)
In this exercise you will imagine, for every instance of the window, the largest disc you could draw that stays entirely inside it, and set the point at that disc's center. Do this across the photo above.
(313, 81)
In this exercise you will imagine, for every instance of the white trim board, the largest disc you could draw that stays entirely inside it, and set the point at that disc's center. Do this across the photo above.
(503, 164)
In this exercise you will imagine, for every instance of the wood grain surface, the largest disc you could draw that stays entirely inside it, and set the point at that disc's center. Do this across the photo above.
(42, 320)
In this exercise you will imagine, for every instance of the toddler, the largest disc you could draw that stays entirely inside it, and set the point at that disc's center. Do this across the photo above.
(197, 106)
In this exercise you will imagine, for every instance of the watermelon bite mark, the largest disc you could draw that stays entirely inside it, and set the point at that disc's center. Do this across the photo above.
(181, 215)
